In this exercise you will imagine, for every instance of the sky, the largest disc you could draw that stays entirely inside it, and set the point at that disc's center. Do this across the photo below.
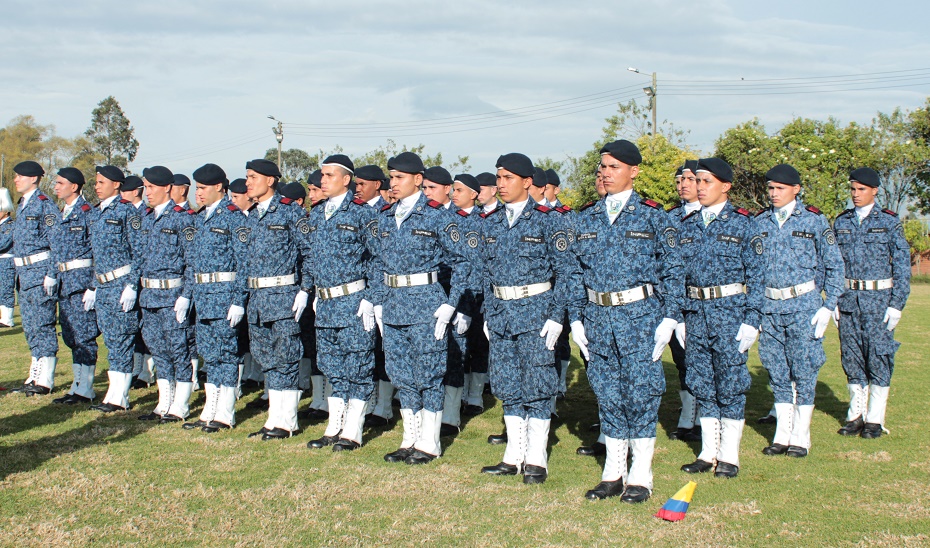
(198, 80)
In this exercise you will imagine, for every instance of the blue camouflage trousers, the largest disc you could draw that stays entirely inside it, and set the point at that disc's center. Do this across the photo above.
(522, 374)
(218, 346)
(119, 328)
(167, 342)
(867, 349)
(346, 356)
(276, 346)
(78, 328)
(7, 283)
(790, 353)
(38, 312)
(456, 353)
(716, 371)
(416, 363)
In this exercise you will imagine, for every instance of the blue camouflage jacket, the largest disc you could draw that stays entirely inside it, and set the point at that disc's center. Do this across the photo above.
(220, 245)
(70, 241)
(6, 247)
(166, 255)
(117, 241)
(32, 231)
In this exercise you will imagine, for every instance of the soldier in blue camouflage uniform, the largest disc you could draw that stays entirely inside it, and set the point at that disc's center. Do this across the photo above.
(343, 233)
(73, 256)
(878, 274)
(801, 261)
(166, 282)
(524, 252)
(249, 370)
(117, 241)
(219, 293)
(563, 350)
(36, 219)
(278, 295)
(417, 239)
(626, 247)
(7, 269)
(722, 250)
(179, 191)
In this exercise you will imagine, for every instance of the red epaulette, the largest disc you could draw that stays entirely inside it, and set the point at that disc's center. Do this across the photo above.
(386, 207)
(542, 208)
(434, 204)
(178, 208)
(232, 207)
(892, 213)
(42, 197)
(674, 207)
(359, 201)
(286, 201)
(587, 205)
(192, 212)
(653, 204)
(85, 208)
(462, 213)
(123, 201)
(743, 212)
(566, 207)
(689, 215)
(492, 212)
(761, 212)
(563, 209)
(316, 203)
(813, 209)
(147, 209)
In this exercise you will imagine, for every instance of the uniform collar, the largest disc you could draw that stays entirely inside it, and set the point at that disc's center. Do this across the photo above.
(864, 211)
(106, 203)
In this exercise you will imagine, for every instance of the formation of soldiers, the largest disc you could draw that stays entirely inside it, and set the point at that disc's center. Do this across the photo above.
(433, 285)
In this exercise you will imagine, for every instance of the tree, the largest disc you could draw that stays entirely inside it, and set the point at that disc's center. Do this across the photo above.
(21, 140)
(111, 135)
(916, 235)
(296, 164)
(901, 157)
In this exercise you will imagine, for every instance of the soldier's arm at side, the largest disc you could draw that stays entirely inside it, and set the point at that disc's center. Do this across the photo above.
(671, 267)
(566, 294)
(754, 266)
(900, 268)
(832, 262)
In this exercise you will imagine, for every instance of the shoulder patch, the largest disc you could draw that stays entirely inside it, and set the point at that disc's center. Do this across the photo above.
(148, 210)
(124, 201)
(674, 207)
(232, 207)
(178, 208)
(542, 208)
(587, 205)
(42, 197)
(434, 204)
(358, 201)
(689, 215)
(761, 212)
(742, 211)
(386, 207)
(563, 209)
(888, 211)
(652, 203)
(85, 208)
(462, 213)
(813, 209)
(192, 212)
(286, 201)
(492, 212)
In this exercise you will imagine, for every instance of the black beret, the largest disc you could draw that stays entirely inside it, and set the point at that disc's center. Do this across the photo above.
(28, 169)
(158, 175)
(208, 174)
(623, 150)
(72, 174)
(294, 191)
(469, 181)
(717, 167)
(181, 180)
(678, 172)
(784, 174)
(315, 178)
(340, 160)
(866, 176)
(539, 177)
(385, 184)
(369, 173)
(406, 162)
(130, 183)
(690, 165)
(438, 175)
(552, 178)
(112, 173)
(486, 179)
(238, 186)
(264, 167)
(516, 163)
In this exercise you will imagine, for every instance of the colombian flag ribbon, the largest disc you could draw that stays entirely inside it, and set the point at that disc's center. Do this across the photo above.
(675, 508)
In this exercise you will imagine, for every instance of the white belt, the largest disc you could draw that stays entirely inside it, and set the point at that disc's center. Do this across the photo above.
(715, 292)
(509, 293)
(151, 283)
(75, 264)
(32, 259)
(214, 277)
(868, 285)
(340, 290)
(410, 280)
(790, 292)
(617, 298)
(6, 256)
(272, 281)
(114, 274)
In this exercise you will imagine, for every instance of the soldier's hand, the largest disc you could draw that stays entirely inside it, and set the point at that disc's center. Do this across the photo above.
(746, 336)
(680, 333)
(127, 298)
(820, 320)
(663, 335)
(300, 304)
(378, 311)
(235, 315)
(578, 335)
(89, 299)
(892, 317)
(461, 323)
(366, 311)
(443, 316)
(551, 331)
(181, 308)
(49, 284)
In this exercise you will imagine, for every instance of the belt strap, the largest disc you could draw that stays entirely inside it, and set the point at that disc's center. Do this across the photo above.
(272, 281)
(510, 293)
(152, 283)
(75, 264)
(6, 256)
(114, 274)
(869, 285)
(31, 259)
(617, 298)
(410, 280)
(790, 292)
(340, 290)
(715, 292)
(214, 277)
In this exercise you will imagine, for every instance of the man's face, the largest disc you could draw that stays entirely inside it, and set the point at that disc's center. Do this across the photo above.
(105, 188)
(315, 194)
(258, 186)
(711, 190)
(462, 196)
(618, 177)
(179, 193)
(599, 184)
(156, 195)
(65, 190)
(208, 194)
(366, 190)
(241, 200)
(388, 196)
(552, 192)
(404, 184)
(687, 186)
(781, 194)
(862, 195)
(511, 187)
(436, 191)
(487, 195)
(132, 196)
(537, 193)
(335, 181)
(24, 184)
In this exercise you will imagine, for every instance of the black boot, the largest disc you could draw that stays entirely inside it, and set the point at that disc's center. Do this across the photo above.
(852, 428)
(605, 489)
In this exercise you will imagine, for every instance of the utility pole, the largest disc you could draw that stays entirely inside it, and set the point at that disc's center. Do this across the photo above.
(651, 92)
(279, 135)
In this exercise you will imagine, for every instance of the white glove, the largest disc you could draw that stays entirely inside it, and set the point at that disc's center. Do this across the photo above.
(461, 323)
(836, 316)
(892, 317)
(181, 307)
(746, 335)
(300, 304)
(315, 299)
(366, 311)
(580, 339)
(127, 298)
(487, 335)
(680, 333)
(821, 319)
(551, 332)
(443, 315)
(378, 311)
(89, 299)
(49, 283)
(663, 334)
(235, 314)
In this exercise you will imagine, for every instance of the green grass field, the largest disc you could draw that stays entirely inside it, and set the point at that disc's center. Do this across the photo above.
(69, 475)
